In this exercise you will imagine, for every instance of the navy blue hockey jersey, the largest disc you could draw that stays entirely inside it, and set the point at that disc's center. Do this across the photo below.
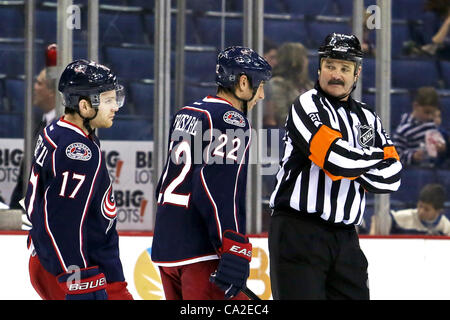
(70, 203)
(201, 192)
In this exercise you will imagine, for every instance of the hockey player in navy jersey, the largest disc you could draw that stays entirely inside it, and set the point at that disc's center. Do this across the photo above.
(199, 239)
(69, 199)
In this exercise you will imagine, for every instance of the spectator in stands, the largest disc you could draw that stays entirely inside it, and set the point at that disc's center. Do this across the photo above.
(417, 128)
(437, 28)
(290, 79)
(271, 52)
(44, 99)
(271, 56)
(427, 218)
(441, 161)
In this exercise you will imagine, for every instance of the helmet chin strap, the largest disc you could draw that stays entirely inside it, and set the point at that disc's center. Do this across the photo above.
(245, 102)
(86, 121)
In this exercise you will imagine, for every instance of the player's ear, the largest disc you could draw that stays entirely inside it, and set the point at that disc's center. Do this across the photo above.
(83, 105)
(243, 82)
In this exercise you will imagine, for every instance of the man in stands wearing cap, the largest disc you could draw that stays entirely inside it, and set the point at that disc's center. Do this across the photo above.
(336, 150)
(199, 239)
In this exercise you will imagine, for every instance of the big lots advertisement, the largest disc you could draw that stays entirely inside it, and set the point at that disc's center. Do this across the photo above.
(130, 167)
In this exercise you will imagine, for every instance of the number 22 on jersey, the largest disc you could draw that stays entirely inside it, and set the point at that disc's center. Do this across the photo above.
(183, 148)
(169, 196)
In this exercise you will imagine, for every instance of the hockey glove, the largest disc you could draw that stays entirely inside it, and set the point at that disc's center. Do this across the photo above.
(234, 264)
(88, 284)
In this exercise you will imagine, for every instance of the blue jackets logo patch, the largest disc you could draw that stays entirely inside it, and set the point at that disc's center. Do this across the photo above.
(234, 118)
(78, 151)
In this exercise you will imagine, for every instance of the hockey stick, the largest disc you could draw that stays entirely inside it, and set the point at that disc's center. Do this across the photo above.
(250, 294)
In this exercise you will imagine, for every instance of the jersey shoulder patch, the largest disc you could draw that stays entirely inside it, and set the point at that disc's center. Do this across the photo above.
(234, 118)
(78, 151)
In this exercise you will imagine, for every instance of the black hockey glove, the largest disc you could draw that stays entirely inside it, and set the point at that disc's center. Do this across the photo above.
(84, 284)
(234, 265)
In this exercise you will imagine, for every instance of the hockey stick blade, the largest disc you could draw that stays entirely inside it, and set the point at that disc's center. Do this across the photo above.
(250, 294)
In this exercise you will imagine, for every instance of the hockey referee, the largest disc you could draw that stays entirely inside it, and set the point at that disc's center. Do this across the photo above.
(336, 150)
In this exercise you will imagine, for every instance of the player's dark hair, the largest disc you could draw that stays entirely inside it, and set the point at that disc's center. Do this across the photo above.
(231, 90)
(69, 111)
(433, 194)
(222, 89)
(74, 111)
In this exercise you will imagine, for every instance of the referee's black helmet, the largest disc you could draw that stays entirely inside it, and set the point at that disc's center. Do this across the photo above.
(342, 47)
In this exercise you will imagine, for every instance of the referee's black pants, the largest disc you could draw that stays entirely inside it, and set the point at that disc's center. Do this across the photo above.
(312, 259)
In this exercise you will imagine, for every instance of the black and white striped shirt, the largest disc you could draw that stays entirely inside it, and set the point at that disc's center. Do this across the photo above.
(409, 136)
(335, 152)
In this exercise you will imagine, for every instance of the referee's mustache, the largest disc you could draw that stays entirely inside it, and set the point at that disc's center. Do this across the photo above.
(336, 81)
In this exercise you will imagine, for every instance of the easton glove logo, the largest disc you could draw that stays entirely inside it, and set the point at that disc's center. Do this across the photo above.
(241, 251)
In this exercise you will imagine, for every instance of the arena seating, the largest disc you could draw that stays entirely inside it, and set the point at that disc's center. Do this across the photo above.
(124, 26)
(400, 104)
(194, 92)
(11, 125)
(12, 22)
(413, 179)
(142, 95)
(445, 71)
(15, 93)
(368, 76)
(126, 35)
(129, 128)
(282, 30)
(131, 62)
(191, 36)
(200, 65)
(233, 30)
(127, 29)
(414, 73)
(317, 7)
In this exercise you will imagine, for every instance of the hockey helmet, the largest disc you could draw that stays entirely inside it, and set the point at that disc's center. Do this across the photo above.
(82, 78)
(342, 47)
(236, 61)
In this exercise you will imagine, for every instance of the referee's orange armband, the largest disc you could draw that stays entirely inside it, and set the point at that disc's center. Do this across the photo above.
(319, 146)
(321, 143)
(390, 152)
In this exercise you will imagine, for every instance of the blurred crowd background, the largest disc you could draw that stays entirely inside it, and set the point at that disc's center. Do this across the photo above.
(293, 30)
